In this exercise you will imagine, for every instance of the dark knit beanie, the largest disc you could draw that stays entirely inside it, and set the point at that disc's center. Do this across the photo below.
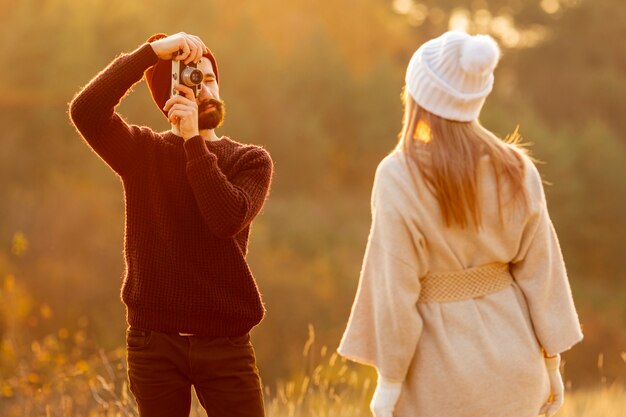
(159, 76)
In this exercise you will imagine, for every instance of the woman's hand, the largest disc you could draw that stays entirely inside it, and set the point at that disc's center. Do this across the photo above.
(385, 397)
(557, 389)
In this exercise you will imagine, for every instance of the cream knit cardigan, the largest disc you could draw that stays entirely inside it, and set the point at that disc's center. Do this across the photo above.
(473, 358)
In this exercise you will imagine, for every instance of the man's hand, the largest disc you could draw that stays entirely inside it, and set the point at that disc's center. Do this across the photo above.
(182, 111)
(191, 46)
(385, 397)
(556, 387)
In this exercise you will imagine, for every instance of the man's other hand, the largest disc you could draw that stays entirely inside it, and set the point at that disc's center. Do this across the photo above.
(182, 111)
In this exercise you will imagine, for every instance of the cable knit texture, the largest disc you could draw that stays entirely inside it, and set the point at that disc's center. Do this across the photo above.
(452, 75)
(189, 206)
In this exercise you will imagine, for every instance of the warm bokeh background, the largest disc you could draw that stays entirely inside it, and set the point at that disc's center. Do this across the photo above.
(318, 84)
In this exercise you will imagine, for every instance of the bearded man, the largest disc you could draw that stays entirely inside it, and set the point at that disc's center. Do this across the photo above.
(190, 297)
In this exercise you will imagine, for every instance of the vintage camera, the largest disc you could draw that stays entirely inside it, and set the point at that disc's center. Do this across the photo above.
(187, 74)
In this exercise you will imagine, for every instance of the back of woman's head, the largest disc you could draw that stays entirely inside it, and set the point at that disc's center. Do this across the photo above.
(447, 82)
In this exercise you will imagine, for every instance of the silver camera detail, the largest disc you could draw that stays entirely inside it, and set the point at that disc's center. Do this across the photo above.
(186, 74)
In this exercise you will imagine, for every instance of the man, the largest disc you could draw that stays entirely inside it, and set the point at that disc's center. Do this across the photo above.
(191, 196)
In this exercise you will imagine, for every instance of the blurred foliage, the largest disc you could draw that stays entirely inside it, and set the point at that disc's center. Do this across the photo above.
(318, 84)
(585, 79)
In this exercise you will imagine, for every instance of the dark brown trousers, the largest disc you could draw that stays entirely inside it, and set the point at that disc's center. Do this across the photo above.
(162, 367)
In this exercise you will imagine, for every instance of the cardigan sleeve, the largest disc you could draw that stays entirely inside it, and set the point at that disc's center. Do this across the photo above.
(92, 111)
(384, 325)
(540, 272)
(228, 205)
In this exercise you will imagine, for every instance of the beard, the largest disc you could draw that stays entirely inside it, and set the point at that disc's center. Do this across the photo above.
(211, 119)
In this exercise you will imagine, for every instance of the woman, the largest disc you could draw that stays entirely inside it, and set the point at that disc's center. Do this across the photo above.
(463, 304)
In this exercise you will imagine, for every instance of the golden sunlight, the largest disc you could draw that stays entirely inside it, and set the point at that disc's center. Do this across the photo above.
(402, 6)
(459, 20)
(551, 6)
(422, 132)
(512, 37)
(416, 12)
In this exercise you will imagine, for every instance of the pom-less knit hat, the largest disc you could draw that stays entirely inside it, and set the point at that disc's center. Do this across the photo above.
(159, 76)
(451, 75)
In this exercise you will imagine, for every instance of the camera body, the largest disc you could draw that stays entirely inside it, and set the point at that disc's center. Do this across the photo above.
(186, 74)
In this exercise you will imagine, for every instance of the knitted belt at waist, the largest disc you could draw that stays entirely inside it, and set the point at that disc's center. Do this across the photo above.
(443, 287)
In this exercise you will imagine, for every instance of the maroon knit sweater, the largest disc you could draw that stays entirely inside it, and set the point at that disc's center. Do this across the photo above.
(189, 206)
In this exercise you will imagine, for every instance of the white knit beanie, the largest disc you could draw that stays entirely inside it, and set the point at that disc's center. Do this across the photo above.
(451, 75)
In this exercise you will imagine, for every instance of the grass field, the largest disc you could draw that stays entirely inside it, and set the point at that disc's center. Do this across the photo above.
(328, 386)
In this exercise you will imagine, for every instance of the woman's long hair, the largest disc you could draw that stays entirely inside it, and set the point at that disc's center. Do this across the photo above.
(455, 149)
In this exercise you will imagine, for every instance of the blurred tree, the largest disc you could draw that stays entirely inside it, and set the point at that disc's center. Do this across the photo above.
(578, 74)
(318, 84)
(517, 23)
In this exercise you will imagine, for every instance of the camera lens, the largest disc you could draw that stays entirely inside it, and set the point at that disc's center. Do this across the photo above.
(191, 76)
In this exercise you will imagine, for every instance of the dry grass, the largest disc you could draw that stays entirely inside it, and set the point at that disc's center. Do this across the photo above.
(327, 386)
(609, 401)
(333, 389)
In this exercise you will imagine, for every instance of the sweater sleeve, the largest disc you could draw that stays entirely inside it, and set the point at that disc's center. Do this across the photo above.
(92, 110)
(384, 325)
(540, 272)
(228, 205)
